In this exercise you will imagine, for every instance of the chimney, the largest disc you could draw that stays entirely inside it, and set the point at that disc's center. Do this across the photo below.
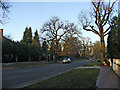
(1, 33)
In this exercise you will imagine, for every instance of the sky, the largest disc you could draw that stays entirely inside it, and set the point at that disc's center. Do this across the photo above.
(35, 14)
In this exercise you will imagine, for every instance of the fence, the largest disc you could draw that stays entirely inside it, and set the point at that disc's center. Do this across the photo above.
(115, 66)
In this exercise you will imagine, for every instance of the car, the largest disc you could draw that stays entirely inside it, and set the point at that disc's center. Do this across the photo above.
(66, 60)
(91, 59)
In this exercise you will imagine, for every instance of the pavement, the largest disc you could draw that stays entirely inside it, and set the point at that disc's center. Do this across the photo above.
(107, 78)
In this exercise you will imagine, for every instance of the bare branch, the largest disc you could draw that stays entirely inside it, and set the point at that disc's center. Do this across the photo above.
(4, 6)
(95, 31)
(106, 34)
(92, 30)
(56, 30)
(109, 12)
(107, 29)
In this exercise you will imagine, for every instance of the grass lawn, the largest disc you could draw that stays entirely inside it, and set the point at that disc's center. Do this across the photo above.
(93, 63)
(78, 78)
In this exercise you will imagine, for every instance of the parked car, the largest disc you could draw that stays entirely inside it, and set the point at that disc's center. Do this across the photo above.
(66, 60)
(91, 59)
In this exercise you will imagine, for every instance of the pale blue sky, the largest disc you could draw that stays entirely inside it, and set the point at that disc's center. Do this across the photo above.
(35, 14)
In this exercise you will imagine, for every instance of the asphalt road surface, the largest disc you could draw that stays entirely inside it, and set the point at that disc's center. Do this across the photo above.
(17, 78)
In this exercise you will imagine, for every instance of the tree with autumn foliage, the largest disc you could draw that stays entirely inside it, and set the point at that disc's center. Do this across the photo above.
(96, 50)
(70, 47)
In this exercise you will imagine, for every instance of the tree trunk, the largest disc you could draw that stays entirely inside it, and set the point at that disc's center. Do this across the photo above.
(54, 59)
(16, 59)
(39, 58)
(56, 50)
(102, 49)
(29, 58)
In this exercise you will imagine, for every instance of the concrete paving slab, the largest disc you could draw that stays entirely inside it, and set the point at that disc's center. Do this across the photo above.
(107, 78)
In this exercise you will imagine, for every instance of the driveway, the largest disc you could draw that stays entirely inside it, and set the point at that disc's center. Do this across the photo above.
(17, 78)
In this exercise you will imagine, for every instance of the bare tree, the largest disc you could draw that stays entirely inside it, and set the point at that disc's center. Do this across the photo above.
(98, 21)
(51, 29)
(4, 9)
(55, 30)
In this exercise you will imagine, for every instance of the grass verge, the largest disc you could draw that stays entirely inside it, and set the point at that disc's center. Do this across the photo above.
(93, 63)
(78, 78)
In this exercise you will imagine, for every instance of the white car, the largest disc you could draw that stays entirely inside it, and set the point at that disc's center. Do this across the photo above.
(91, 59)
(66, 60)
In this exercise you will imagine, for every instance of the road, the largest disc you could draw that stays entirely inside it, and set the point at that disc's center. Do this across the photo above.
(17, 78)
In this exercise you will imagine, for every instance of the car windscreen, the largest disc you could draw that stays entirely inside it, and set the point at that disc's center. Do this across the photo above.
(65, 59)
